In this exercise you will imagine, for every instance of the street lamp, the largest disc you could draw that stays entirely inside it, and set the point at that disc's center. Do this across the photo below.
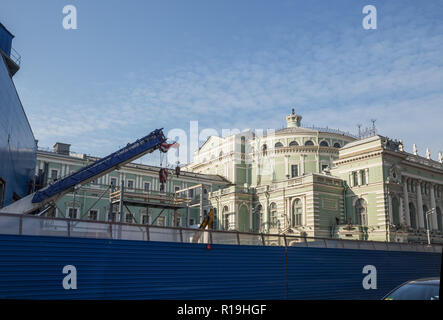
(428, 213)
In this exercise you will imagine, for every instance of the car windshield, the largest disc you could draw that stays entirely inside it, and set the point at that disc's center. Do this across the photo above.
(415, 291)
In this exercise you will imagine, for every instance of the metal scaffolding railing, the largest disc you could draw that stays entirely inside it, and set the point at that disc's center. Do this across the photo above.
(14, 224)
(15, 56)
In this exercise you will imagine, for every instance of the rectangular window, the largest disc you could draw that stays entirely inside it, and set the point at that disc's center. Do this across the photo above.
(191, 193)
(178, 221)
(161, 221)
(147, 186)
(176, 188)
(130, 184)
(129, 218)
(294, 170)
(54, 174)
(363, 177)
(191, 222)
(112, 216)
(72, 213)
(113, 182)
(324, 167)
(146, 219)
(93, 214)
(355, 178)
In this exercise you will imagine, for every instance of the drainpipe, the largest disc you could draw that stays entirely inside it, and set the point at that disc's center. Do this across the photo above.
(345, 188)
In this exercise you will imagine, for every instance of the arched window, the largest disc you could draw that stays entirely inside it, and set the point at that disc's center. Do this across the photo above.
(220, 155)
(273, 215)
(324, 144)
(395, 211)
(278, 145)
(337, 145)
(309, 143)
(293, 144)
(257, 219)
(243, 218)
(439, 221)
(297, 212)
(225, 215)
(412, 215)
(361, 212)
(264, 149)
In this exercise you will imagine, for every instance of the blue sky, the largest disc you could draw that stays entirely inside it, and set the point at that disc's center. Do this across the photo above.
(133, 66)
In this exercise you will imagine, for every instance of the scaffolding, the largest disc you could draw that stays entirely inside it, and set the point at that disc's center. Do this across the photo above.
(125, 197)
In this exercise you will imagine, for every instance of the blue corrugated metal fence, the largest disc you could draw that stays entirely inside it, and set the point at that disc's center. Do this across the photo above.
(31, 268)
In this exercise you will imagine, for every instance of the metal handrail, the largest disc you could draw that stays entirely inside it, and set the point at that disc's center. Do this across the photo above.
(261, 238)
(15, 56)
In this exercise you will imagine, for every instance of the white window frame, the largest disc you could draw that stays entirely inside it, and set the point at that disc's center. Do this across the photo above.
(116, 181)
(56, 176)
(96, 211)
(76, 212)
(127, 215)
(161, 218)
(133, 184)
(298, 172)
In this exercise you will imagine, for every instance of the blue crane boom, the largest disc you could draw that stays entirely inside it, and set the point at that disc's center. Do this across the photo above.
(132, 151)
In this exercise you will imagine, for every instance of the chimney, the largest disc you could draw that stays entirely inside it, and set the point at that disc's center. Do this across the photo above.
(62, 148)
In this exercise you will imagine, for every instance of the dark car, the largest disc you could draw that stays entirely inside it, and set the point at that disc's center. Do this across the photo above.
(420, 289)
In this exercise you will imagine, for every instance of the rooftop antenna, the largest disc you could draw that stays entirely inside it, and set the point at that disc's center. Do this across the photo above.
(359, 130)
(373, 126)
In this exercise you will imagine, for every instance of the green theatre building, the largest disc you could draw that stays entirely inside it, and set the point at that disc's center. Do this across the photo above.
(301, 181)
(325, 183)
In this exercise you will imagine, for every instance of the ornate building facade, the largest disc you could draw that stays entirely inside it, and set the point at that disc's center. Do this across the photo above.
(150, 204)
(323, 183)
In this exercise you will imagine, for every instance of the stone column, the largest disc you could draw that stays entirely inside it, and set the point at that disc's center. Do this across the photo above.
(359, 177)
(406, 203)
(302, 164)
(234, 172)
(351, 179)
(391, 219)
(367, 176)
(266, 217)
(236, 212)
(251, 227)
(286, 214)
(433, 217)
(421, 222)
(400, 210)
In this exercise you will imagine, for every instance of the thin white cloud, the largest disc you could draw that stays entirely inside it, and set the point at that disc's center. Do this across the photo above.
(333, 78)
